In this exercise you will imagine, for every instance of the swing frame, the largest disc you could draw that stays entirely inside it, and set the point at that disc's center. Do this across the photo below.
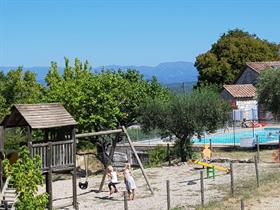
(124, 132)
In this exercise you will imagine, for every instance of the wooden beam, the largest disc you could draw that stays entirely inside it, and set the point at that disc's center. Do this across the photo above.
(29, 133)
(111, 155)
(138, 159)
(49, 177)
(74, 176)
(29, 138)
(2, 137)
(100, 133)
(2, 130)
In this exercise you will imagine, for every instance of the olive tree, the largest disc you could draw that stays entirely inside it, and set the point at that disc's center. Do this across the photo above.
(185, 115)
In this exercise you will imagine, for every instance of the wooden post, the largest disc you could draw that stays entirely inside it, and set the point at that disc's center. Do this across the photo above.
(2, 136)
(138, 159)
(258, 148)
(257, 171)
(46, 135)
(210, 142)
(6, 206)
(49, 176)
(2, 131)
(29, 136)
(279, 145)
(231, 180)
(46, 180)
(125, 200)
(202, 188)
(233, 127)
(168, 155)
(253, 127)
(111, 155)
(168, 194)
(1, 176)
(242, 204)
(49, 183)
(74, 176)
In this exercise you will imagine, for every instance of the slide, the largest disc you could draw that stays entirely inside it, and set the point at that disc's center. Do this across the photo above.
(219, 168)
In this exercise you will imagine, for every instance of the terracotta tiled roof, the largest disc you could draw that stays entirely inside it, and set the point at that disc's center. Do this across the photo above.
(259, 66)
(241, 91)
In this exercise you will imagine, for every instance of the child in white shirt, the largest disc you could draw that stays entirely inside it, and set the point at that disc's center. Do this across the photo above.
(113, 180)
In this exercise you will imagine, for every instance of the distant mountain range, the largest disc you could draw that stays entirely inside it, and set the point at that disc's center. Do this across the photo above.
(166, 73)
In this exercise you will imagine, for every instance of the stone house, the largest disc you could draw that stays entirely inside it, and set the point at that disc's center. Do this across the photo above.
(242, 97)
(242, 94)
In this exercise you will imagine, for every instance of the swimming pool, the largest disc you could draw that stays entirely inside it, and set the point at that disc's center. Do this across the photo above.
(265, 135)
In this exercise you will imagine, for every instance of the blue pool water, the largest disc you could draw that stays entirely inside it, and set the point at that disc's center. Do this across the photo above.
(264, 135)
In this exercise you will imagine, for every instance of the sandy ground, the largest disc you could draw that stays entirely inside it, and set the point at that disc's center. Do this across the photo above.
(183, 192)
(269, 203)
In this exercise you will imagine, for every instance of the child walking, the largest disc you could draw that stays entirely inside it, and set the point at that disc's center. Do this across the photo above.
(129, 182)
(113, 180)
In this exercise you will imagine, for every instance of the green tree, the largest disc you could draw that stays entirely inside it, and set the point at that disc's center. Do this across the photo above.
(185, 115)
(53, 77)
(102, 100)
(224, 62)
(16, 87)
(22, 87)
(26, 175)
(3, 102)
(268, 91)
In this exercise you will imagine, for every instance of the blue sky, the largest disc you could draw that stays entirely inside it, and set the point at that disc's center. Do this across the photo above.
(125, 32)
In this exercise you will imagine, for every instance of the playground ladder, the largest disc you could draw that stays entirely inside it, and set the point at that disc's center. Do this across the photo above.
(8, 196)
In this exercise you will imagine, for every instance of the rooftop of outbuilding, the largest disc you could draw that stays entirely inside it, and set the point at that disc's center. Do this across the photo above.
(241, 91)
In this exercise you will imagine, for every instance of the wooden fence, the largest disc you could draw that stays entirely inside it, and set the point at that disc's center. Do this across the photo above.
(61, 153)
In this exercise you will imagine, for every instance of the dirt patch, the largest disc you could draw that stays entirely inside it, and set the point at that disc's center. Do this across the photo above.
(184, 186)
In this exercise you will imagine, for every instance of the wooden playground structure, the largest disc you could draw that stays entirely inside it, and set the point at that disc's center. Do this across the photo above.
(57, 146)
(57, 149)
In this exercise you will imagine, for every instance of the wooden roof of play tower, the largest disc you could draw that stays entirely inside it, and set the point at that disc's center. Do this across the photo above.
(38, 116)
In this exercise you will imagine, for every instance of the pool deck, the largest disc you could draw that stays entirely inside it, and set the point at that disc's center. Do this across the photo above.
(230, 130)
(152, 145)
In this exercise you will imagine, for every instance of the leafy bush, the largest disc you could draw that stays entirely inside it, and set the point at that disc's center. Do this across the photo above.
(157, 156)
(26, 175)
(175, 151)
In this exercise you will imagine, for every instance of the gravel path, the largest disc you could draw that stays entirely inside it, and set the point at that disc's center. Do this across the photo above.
(183, 192)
